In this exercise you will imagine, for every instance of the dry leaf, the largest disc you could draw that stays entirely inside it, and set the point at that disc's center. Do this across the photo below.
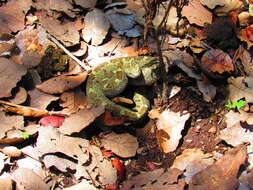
(223, 174)
(193, 161)
(119, 47)
(205, 87)
(26, 110)
(12, 151)
(86, 3)
(229, 5)
(216, 61)
(244, 18)
(33, 164)
(156, 180)
(245, 59)
(246, 35)
(9, 122)
(65, 32)
(123, 145)
(90, 162)
(169, 128)
(79, 120)
(19, 97)
(6, 45)
(73, 101)
(62, 83)
(12, 15)
(40, 100)
(110, 120)
(84, 184)
(32, 44)
(174, 25)
(6, 183)
(122, 20)
(235, 134)
(51, 141)
(211, 4)
(240, 87)
(2, 163)
(96, 27)
(27, 179)
(55, 5)
(99, 168)
(196, 13)
(11, 73)
(62, 164)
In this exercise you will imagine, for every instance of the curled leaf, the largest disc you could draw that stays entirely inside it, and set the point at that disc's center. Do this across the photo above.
(215, 62)
(62, 83)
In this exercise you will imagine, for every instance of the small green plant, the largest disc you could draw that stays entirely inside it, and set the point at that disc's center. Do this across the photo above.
(25, 135)
(238, 104)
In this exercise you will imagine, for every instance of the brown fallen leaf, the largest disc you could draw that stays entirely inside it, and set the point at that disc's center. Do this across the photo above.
(243, 56)
(98, 167)
(27, 179)
(205, 87)
(110, 120)
(11, 73)
(229, 5)
(96, 27)
(26, 110)
(192, 161)
(62, 83)
(212, 4)
(6, 45)
(169, 128)
(90, 161)
(7, 123)
(156, 180)
(40, 100)
(33, 164)
(19, 97)
(12, 15)
(174, 24)
(73, 101)
(122, 20)
(86, 4)
(6, 183)
(215, 62)
(223, 174)
(65, 32)
(196, 13)
(59, 6)
(246, 35)
(123, 145)
(84, 184)
(240, 87)
(79, 120)
(63, 165)
(11, 151)
(32, 44)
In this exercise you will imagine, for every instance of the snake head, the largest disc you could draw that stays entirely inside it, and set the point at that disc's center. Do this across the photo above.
(150, 71)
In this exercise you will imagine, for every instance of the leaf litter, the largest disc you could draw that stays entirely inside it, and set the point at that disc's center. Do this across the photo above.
(51, 130)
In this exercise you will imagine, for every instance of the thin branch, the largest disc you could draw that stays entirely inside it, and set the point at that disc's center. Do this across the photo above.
(87, 68)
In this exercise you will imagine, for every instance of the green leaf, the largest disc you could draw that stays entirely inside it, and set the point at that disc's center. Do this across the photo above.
(238, 104)
(25, 135)
(230, 105)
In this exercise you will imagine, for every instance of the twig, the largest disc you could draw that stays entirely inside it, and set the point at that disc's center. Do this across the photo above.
(203, 43)
(164, 88)
(87, 68)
